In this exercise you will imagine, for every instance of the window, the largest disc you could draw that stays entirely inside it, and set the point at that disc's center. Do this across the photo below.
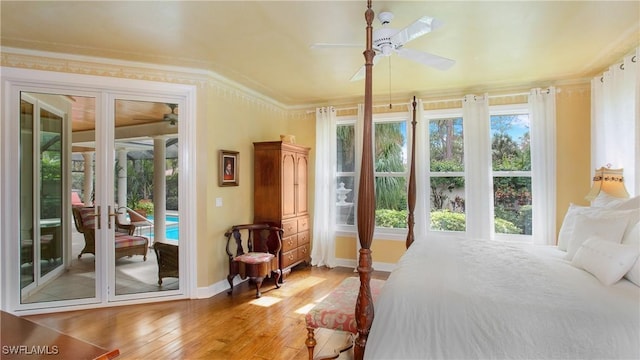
(446, 172)
(390, 171)
(511, 170)
(345, 172)
(448, 185)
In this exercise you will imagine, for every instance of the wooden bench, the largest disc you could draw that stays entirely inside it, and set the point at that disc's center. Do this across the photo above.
(337, 311)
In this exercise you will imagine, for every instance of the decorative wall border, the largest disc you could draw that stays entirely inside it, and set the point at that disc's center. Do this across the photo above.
(83, 65)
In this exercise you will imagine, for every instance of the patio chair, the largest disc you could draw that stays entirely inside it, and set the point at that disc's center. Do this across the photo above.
(167, 256)
(125, 243)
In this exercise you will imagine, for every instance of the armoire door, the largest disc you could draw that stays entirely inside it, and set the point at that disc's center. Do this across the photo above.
(289, 184)
(302, 203)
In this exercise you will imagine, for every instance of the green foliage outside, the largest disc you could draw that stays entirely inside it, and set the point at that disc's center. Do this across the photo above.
(445, 220)
(512, 194)
(139, 181)
(146, 206)
(441, 220)
(391, 191)
(391, 218)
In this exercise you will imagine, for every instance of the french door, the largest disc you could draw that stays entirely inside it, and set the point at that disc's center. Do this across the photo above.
(114, 158)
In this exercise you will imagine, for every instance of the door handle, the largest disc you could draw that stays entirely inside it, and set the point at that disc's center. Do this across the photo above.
(97, 216)
(110, 215)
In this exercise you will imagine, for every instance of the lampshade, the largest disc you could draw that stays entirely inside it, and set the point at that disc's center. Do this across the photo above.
(609, 181)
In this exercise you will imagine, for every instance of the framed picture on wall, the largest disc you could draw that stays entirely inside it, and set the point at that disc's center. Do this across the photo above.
(228, 168)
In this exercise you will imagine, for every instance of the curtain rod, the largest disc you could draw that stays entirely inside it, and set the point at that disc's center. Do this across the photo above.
(436, 101)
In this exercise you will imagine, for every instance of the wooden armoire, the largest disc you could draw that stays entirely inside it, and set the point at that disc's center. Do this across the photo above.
(280, 197)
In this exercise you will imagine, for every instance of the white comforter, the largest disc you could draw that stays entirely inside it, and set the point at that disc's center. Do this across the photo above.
(474, 299)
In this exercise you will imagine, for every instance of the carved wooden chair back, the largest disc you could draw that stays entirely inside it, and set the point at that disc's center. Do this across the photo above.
(253, 251)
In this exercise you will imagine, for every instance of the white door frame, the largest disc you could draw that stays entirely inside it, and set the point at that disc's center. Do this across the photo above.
(14, 80)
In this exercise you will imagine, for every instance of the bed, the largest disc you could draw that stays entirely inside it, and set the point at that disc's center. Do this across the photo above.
(486, 299)
(476, 298)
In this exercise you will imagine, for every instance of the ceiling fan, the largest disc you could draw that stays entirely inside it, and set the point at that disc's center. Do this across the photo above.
(172, 117)
(388, 41)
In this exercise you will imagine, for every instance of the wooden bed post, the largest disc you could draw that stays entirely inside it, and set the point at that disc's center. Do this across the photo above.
(411, 197)
(366, 203)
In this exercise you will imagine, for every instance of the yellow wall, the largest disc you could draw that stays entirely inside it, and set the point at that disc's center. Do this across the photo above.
(573, 167)
(235, 123)
(383, 251)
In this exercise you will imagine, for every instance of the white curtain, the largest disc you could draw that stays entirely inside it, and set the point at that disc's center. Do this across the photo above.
(615, 120)
(542, 111)
(324, 221)
(421, 212)
(477, 167)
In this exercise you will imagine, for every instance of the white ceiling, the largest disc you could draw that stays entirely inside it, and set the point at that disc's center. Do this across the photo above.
(265, 45)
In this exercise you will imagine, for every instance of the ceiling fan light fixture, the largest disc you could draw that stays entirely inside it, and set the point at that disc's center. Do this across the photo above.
(386, 50)
(385, 17)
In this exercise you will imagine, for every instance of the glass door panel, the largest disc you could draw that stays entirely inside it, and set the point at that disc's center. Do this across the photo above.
(145, 196)
(48, 242)
(51, 191)
(27, 245)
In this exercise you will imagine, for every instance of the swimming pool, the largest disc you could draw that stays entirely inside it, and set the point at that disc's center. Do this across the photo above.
(172, 231)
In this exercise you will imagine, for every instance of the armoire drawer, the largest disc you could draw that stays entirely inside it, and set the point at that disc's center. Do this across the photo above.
(303, 223)
(303, 252)
(290, 227)
(303, 237)
(289, 258)
(289, 243)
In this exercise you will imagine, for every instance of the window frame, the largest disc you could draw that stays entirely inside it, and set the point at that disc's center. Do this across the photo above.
(428, 116)
(394, 117)
(399, 234)
(512, 109)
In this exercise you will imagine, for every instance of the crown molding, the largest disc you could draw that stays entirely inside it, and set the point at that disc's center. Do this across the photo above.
(87, 65)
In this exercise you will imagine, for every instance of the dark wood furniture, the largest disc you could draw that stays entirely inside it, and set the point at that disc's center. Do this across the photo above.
(167, 256)
(281, 197)
(24, 339)
(366, 198)
(260, 260)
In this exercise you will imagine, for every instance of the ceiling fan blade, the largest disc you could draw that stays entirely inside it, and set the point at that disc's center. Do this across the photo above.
(359, 75)
(432, 60)
(420, 27)
(333, 45)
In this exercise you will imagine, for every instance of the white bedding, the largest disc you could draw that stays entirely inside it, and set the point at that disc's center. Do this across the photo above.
(477, 299)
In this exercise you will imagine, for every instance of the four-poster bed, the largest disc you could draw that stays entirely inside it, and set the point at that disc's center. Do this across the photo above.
(454, 297)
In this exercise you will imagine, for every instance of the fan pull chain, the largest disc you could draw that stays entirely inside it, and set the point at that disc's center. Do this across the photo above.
(390, 106)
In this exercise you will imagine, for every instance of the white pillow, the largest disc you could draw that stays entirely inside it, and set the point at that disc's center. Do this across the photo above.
(604, 259)
(632, 205)
(608, 225)
(627, 204)
(632, 238)
(605, 200)
(568, 224)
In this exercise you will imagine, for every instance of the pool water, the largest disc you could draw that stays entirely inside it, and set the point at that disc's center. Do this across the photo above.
(172, 231)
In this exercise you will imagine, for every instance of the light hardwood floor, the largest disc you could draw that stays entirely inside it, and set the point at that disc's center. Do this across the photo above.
(220, 327)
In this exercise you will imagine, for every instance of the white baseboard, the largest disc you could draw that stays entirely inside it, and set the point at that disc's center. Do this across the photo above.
(217, 288)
